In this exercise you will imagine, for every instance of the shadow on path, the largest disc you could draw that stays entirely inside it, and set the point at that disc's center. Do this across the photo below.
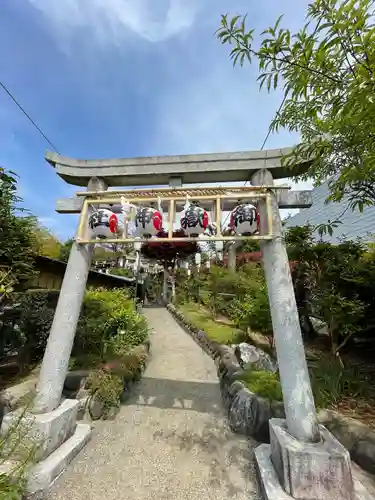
(201, 397)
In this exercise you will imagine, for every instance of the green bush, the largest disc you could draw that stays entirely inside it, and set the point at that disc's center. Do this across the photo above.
(331, 382)
(106, 315)
(37, 311)
(265, 384)
(26, 323)
(109, 336)
(107, 387)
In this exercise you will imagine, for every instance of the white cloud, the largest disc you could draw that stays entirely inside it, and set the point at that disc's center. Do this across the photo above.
(111, 20)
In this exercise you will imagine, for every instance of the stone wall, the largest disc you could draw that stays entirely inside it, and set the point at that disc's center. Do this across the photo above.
(249, 413)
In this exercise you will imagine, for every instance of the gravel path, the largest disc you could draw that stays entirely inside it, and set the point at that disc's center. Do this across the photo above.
(170, 440)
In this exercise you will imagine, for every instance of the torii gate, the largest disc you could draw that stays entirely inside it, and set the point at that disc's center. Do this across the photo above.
(322, 467)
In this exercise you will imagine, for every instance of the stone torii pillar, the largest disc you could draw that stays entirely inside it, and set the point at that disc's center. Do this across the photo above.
(304, 461)
(60, 341)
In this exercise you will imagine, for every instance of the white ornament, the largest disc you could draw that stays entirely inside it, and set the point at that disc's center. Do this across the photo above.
(148, 222)
(103, 223)
(245, 220)
(194, 219)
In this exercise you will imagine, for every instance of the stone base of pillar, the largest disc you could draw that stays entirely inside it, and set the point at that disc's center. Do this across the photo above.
(289, 469)
(57, 439)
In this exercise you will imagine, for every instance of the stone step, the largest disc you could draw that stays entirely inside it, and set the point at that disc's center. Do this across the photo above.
(43, 474)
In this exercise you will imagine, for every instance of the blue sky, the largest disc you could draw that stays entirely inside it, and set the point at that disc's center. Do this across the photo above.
(124, 78)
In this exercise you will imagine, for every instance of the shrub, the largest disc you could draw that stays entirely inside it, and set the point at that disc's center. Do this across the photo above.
(110, 334)
(25, 324)
(106, 314)
(127, 363)
(265, 384)
(331, 382)
(17, 240)
(107, 387)
(37, 311)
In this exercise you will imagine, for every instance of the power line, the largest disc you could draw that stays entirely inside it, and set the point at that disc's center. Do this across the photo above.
(269, 128)
(27, 115)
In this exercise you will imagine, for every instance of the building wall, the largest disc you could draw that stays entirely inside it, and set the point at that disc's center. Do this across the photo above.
(51, 273)
(354, 224)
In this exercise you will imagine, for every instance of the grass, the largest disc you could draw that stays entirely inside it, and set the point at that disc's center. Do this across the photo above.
(344, 390)
(265, 384)
(220, 332)
(350, 391)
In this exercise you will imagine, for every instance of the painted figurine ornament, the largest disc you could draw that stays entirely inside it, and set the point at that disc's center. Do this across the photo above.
(148, 222)
(244, 220)
(103, 223)
(194, 220)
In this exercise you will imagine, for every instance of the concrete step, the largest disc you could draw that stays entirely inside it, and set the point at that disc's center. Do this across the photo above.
(44, 473)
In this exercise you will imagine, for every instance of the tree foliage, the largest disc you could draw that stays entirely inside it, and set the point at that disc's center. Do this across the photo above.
(333, 283)
(327, 71)
(17, 238)
(46, 244)
(65, 250)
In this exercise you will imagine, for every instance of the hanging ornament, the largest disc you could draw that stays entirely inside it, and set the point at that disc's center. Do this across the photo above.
(103, 223)
(194, 219)
(148, 222)
(244, 220)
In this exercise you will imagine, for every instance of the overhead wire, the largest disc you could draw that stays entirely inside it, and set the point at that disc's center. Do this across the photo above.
(18, 104)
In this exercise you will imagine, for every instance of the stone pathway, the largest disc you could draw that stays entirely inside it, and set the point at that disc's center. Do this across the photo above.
(170, 440)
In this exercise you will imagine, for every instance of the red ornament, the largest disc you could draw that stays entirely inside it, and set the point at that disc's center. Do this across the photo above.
(113, 223)
(157, 220)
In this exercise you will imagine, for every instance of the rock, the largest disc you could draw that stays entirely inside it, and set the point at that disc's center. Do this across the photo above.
(147, 345)
(73, 380)
(240, 413)
(96, 408)
(346, 430)
(19, 395)
(250, 356)
(249, 414)
(83, 402)
(363, 454)
(261, 415)
(228, 392)
(277, 409)
(356, 437)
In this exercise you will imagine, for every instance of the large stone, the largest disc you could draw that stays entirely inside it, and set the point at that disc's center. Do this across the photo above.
(269, 487)
(363, 454)
(19, 394)
(251, 357)
(229, 392)
(311, 471)
(75, 379)
(345, 429)
(249, 414)
(96, 407)
(47, 430)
